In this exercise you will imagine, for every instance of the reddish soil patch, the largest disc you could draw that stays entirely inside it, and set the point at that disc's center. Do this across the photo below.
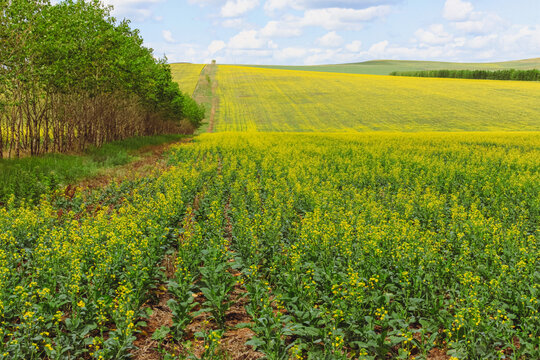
(437, 354)
(215, 103)
(151, 161)
(147, 348)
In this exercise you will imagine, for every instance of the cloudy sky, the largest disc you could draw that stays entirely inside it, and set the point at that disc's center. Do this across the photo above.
(335, 31)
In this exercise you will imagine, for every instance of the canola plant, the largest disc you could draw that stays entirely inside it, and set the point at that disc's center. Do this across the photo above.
(347, 245)
(187, 76)
(287, 100)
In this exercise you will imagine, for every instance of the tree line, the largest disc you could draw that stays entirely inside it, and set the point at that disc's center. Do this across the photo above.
(72, 76)
(509, 74)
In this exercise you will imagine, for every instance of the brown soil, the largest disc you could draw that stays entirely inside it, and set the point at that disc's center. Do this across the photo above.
(150, 160)
(234, 340)
(215, 103)
(438, 354)
(147, 348)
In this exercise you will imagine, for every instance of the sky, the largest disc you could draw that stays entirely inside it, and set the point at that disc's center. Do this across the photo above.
(311, 32)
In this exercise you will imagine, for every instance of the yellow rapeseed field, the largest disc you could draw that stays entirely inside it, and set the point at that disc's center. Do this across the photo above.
(326, 243)
(187, 76)
(285, 100)
(347, 246)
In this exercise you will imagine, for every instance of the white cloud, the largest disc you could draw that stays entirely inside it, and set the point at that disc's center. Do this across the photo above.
(521, 40)
(320, 56)
(248, 39)
(289, 33)
(378, 49)
(290, 53)
(234, 23)
(338, 18)
(354, 46)
(481, 42)
(329, 19)
(435, 34)
(235, 8)
(167, 35)
(481, 23)
(457, 10)
(280, 29)
(331, 39)
(216, 46)
(273, 5)
(135, 9)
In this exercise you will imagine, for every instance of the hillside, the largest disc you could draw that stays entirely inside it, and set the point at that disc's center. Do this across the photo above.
(186, 75)
(385, 67)
(255, 99)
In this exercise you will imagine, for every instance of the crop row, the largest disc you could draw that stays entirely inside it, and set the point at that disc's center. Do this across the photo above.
(258, 99)
(378, 245)
(362, 246)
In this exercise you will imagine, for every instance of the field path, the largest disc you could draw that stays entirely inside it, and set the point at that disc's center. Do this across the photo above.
(149, 159)
(206, 93)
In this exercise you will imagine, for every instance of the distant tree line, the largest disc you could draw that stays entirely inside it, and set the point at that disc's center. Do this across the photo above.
(510, 74)
(72, 76)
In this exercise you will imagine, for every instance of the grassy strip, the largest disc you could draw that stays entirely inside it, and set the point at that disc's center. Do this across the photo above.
(29, 178)
(204, 95)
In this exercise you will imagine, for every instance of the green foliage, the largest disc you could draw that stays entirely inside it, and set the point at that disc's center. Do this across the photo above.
(31, 177)
(72, 76)
(510, 74)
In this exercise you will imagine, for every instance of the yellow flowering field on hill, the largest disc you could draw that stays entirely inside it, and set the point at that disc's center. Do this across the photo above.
(363, 246)
(186, 75)
(286, 100)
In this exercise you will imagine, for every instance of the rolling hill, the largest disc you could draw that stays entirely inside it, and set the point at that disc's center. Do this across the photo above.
(385, 67)
(256, 99)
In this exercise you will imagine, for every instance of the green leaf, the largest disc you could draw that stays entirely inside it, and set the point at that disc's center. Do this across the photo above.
(255, 342)
(161, 333)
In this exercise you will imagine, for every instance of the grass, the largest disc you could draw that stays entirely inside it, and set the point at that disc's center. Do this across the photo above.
(205, 94)
(385, 67)
(186, 75)
(254, 99)
(31, 177)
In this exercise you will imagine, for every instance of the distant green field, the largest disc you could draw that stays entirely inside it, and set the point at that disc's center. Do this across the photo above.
(385, 67)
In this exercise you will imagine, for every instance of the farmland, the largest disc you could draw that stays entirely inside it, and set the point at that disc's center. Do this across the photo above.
(385, 67)
(278, 100)
(296, 231)
(156, 211)
(187, 76)
(343, 245)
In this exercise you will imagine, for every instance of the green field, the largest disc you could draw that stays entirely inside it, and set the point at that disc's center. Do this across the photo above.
(277, 100)
(385, 67)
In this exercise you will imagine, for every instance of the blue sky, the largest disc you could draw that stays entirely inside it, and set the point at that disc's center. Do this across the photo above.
(335, 31)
